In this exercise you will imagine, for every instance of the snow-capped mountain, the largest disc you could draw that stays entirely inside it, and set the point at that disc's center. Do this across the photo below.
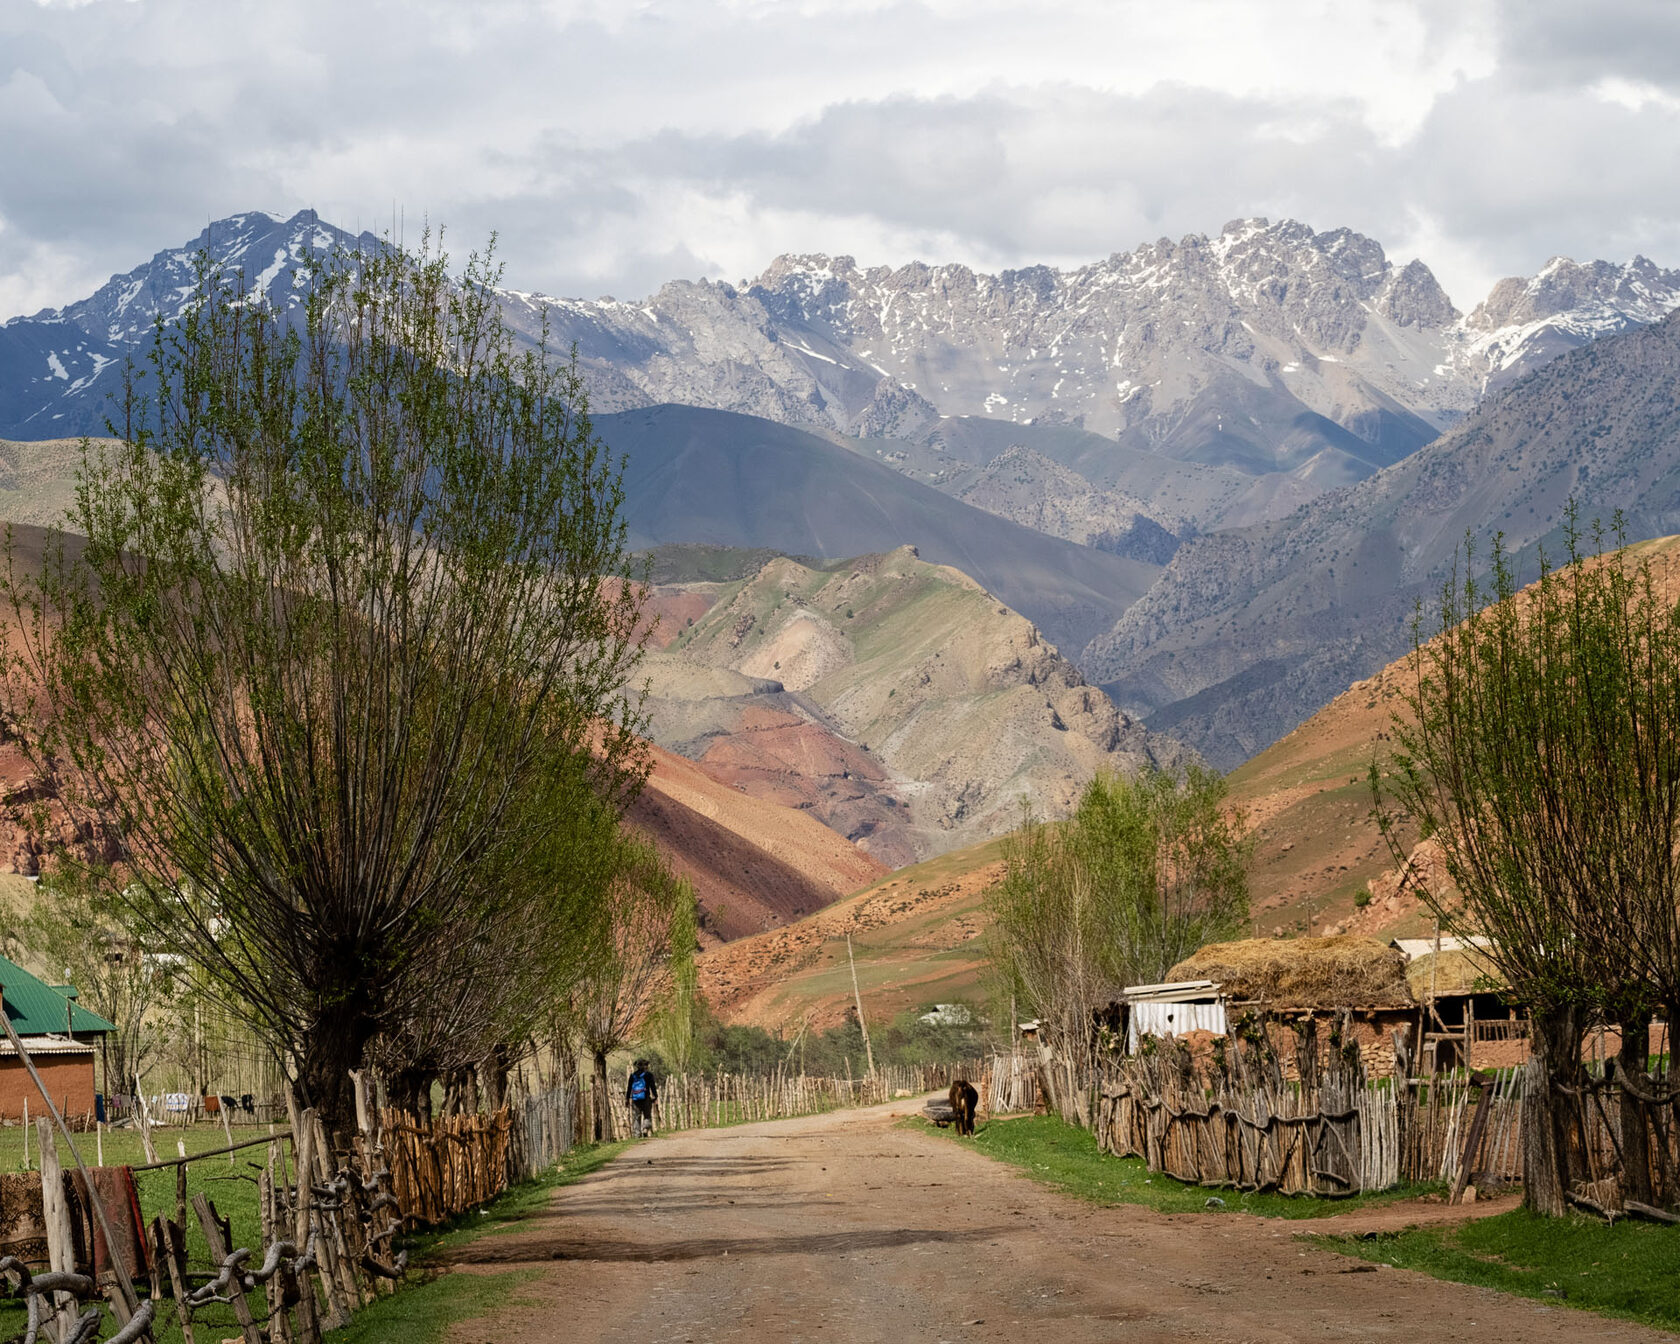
(1524, 323)
(58, 368)
(1269, 350)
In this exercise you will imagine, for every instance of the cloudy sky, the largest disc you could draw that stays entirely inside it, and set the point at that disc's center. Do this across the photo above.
(617, 144)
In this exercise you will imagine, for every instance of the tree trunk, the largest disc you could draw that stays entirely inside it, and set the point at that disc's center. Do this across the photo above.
(493, 1076)
(411, 1090)
(603, 1106)
(1550, 1131)
(1632, 1060)
(325, 1056)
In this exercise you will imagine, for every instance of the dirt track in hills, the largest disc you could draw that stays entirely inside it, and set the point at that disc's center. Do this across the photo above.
(846, 1228)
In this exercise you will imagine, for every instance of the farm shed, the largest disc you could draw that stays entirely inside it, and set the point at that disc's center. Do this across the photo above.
(1173, 1009)
(1467, 1017)
(61, 1037)
(1294, 980)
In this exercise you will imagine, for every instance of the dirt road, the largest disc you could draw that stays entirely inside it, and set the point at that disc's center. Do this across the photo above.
(845, 1228)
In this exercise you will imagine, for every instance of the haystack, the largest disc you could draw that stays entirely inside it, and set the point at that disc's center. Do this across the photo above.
(1324, 973)
(1452, 971)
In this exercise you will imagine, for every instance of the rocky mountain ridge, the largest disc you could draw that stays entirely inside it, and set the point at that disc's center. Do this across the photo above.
(1267, 347)
(1250, 630)
(1262, 347)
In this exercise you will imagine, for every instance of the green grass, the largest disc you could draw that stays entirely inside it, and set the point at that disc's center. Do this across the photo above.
(1627, 1271)
(1066, 1158)
(122, 1146)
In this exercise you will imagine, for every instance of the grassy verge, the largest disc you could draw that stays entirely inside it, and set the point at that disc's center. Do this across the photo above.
(1626, 1271)
(421, 1313)
(1066, 1158)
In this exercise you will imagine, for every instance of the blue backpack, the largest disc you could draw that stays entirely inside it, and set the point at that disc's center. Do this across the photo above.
(638, 1086)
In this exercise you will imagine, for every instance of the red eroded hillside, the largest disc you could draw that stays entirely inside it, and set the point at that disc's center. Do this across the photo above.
(755, 865)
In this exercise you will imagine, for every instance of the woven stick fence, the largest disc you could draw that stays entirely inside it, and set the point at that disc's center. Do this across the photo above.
(442, 1170)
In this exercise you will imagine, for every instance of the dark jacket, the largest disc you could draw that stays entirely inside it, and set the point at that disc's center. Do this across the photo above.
(652, 1087)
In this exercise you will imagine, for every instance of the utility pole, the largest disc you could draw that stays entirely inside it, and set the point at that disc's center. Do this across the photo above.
(863, 1025)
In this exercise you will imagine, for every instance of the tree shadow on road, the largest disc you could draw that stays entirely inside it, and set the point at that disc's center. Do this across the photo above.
(535, 1250)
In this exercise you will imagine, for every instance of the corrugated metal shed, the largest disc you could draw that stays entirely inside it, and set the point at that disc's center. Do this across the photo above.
(1158, 1018)
(1174, 1008)
(37, 1009)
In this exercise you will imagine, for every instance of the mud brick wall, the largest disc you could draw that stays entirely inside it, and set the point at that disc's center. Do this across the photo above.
(69, 1078)
(1372, 1029)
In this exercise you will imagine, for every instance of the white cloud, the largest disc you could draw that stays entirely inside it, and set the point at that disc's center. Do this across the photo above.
(614, 145)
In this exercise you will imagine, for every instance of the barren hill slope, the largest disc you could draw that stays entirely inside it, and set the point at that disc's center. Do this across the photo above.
(754, 864)
(1308, 798)
(915, 935)
(930, 709)
(695, 475)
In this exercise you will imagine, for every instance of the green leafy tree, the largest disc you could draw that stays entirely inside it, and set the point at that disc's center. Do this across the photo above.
(1148, 869)
(1540, 747)
(639, 965)
(352, 600)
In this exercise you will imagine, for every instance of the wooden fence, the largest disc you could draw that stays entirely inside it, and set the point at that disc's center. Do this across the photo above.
(706, 1101)
(1009, 1083)
(1359, 1135)
(327, 1223)
(441, 1170)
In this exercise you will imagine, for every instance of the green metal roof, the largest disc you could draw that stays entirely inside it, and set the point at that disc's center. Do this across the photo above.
(37, 1009)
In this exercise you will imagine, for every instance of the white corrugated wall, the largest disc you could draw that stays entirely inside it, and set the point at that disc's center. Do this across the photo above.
(1174, 1019)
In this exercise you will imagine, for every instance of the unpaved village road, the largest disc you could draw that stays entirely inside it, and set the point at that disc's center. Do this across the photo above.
(844, 1227)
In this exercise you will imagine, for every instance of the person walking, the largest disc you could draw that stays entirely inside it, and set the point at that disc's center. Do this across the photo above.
(641, 1092)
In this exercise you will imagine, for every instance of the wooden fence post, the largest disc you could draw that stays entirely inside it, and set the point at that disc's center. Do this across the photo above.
(332, 1227)
(303, 1165)
(218, 1254)
(163, 1237)
(55, 1213)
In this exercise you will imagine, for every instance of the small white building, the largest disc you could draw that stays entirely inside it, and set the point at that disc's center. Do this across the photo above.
(1173, 1009)
(1413, 948)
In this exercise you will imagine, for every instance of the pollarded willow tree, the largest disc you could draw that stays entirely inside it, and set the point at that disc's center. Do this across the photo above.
(1540, 746)
(1148, 869)
(351, 614)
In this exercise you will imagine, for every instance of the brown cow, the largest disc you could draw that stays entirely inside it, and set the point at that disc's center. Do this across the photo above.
(963, 1100)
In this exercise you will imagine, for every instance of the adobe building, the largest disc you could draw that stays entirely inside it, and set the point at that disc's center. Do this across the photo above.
(62, 1039)
(1339, 981)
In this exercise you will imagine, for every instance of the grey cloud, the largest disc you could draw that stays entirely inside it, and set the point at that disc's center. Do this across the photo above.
(586, 144)
(1573, 42)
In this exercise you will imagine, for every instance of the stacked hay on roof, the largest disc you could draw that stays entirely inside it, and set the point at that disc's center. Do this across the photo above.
(1452, 971)
(1323, 973)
